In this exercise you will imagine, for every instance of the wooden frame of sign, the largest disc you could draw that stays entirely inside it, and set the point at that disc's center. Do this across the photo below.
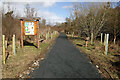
(30, 28)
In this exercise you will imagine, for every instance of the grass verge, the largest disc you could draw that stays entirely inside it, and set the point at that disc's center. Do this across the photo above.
(108, 65)
(24, 58)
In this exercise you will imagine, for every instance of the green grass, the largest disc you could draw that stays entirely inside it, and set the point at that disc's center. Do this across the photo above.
(16, 64)
(24, 56)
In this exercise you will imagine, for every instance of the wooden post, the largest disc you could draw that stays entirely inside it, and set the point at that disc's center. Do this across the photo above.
(106, 47)
(13, 45)
(14, 52)
(38, 44)
(21, 32)
(91, 38)
(101, 37)
(4, 56)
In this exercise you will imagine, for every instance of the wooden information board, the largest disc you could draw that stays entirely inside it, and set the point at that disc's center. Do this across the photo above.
(29, 28)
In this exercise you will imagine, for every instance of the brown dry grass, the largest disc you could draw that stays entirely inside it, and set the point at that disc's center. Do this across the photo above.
(108, 65)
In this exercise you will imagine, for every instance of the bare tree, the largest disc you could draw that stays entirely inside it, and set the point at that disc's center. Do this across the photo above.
(30, 13)
(43, 22)
(27, 10)
(89, 18)
(112, 24)
(10, 24)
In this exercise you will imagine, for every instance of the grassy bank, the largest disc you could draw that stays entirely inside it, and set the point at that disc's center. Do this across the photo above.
(108, 65)
(24, 58)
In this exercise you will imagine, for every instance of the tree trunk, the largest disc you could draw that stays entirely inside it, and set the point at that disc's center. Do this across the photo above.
(91, 38)
(114, 39)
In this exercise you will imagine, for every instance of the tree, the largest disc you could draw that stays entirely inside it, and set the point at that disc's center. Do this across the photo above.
(43, 22)
(30, 12)
(89, 18)
(112, 24)
(10, 25)
(27, 11)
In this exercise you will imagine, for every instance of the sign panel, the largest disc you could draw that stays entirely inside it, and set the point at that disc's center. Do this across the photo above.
(29, 28)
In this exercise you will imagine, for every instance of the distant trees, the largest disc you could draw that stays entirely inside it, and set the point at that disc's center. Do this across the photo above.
(43, 23)
(0, 24)
(94, 18)
(68, 21)
(11, 23)
(30, 12)
(112, 24)
(89, 18)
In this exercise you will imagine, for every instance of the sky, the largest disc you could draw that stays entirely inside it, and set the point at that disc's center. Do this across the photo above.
(55, 11)
(52, 12)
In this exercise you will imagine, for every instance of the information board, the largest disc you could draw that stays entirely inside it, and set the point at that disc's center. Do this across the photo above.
(29, 28)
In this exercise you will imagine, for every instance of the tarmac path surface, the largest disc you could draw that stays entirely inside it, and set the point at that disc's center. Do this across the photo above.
(64, 60)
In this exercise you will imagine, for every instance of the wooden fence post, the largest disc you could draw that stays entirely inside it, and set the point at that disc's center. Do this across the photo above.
(91, 38)
(101, 37)
(38, 43)
(21, 32)
(106, 45)
(14, 45)
(4, 56)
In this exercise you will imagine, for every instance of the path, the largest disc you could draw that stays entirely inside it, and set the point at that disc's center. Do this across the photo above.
(64, 60)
